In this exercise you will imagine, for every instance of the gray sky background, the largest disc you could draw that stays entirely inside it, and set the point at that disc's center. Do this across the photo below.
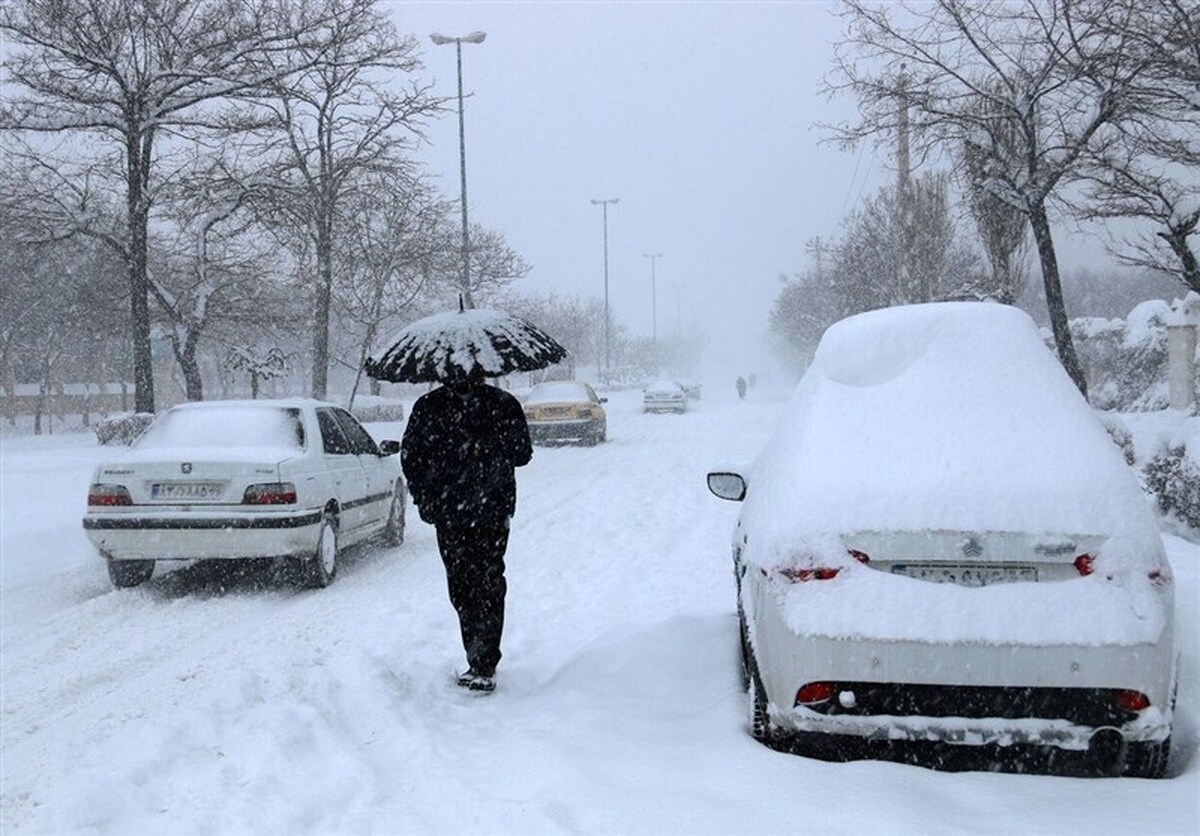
(699, 117)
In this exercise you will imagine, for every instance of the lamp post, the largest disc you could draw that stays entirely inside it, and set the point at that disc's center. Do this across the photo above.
(654, 257)
(607, 357)
(441, 40)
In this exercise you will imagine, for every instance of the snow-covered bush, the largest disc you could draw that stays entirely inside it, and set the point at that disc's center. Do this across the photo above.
(1126, 359)
(374, 408)
(1175, 480)
(123, 428)
(1121, 436)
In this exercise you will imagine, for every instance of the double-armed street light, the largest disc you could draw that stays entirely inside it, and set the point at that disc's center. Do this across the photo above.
(442, 40)
(607, 355)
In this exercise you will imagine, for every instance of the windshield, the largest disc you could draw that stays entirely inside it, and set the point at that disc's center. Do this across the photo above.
(226, 426)
(558, 393)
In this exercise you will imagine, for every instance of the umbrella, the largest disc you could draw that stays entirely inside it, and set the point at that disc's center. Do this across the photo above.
(449, 346)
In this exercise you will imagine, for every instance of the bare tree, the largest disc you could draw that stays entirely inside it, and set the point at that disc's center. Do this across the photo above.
(1003, 229)
(389, 256)
(1057, 72)
(345, 117)
(1151, 171)
(134, 72)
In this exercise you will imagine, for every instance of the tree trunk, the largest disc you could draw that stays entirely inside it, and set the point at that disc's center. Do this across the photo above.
(193, 383)
(1177, 238)
(137, 152)
(1054, 297)
(320, 368)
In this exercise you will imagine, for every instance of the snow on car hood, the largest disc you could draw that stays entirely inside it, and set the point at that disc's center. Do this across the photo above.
(950, 416)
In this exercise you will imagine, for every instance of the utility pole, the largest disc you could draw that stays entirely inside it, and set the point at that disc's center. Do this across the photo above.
(653, 305)
(607, 348)
(907, 293)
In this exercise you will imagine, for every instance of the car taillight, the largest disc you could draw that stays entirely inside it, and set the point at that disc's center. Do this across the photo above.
(1133, 701)
(109, 495)
(270, 493)
(861, 557)
(820, 574)
(814, 693)
(1083, 564)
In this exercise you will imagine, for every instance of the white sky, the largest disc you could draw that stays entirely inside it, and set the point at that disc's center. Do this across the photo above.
(699, 117)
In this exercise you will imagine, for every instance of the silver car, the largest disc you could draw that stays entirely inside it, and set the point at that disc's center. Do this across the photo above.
(664, 396)
(299, 479)
(942, 550)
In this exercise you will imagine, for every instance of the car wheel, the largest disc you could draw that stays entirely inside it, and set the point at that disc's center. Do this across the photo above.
(321, 567)
(393, 532)
(127, 573)
(1147, 759)
(744, 647)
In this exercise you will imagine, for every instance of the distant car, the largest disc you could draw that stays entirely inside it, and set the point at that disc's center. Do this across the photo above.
(690, 388)
(664, 396)
(299, 479)
(942, 548)
(566, 411)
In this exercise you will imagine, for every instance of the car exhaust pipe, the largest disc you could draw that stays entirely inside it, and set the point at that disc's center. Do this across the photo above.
(1106, 752)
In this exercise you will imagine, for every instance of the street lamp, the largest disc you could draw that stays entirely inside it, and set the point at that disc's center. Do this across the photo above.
(653, 305)
(607, 357)
(442, 40)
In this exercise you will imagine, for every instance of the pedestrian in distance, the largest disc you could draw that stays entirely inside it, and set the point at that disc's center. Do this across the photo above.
(459, 453)
(741, 387)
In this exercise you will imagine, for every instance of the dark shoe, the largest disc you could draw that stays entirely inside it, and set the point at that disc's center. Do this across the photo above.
(473, 680)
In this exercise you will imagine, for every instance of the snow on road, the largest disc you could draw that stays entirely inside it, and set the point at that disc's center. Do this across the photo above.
(208, 703)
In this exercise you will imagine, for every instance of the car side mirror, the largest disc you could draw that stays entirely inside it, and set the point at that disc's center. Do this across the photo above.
(731, 486)
(603, 400)
(389, 447)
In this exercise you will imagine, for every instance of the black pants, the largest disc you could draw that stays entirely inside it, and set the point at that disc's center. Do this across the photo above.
(474, 559)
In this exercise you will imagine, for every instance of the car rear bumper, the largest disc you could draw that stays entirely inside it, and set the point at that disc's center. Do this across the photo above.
(178, 535)
(664, 404)
(974, 694)
(557, 430)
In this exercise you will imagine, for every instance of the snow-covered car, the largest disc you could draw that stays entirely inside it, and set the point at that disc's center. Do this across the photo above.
(565, 410)
(664, 396)
(690, 388)
(941, 545)
(299, 479)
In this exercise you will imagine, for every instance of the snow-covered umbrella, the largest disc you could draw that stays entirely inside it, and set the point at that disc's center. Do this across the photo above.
(449, 346)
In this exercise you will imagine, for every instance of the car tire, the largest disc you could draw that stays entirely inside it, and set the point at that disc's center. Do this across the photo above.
(320, 569)
(760, 719)
(128, 573)
(393, 531)
(1147, 759)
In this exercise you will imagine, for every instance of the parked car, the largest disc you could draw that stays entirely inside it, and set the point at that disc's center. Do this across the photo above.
(942, 549)
(664, 396)
(566, 411)
(299, 479)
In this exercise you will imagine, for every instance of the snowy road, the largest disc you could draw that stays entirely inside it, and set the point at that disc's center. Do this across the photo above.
(212, 704)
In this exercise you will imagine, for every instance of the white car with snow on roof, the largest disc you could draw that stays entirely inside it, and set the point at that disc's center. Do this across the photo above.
(942, 552)
(298, 478)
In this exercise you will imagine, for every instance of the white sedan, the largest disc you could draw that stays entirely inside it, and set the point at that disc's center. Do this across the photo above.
(242, 479)
(664, 396)
(941, 551)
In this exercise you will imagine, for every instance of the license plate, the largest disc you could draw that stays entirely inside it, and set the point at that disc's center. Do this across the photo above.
(965, 575)
(187, 490)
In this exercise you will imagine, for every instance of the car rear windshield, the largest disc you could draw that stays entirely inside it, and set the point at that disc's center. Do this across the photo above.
(234, 426)
(557, 393)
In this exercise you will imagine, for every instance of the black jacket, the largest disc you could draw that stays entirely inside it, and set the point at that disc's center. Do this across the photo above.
(459, 451)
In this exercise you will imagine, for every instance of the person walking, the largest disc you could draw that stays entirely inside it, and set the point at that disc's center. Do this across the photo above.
(459, 453)
(741, 387)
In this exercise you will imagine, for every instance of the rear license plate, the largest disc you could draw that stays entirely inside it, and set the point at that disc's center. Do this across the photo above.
(187, 490)
(965, 575)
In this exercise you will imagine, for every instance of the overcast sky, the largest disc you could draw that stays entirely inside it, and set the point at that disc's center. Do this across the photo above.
(699, 117)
